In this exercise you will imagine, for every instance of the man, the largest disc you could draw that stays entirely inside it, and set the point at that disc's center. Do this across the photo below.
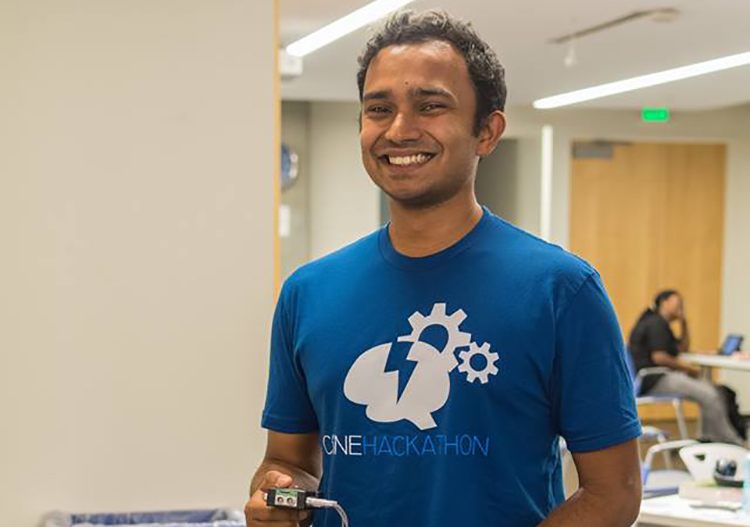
(431, 367)
(653, 344)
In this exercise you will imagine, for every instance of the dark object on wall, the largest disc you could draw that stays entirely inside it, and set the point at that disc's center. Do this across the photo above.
(289, 167)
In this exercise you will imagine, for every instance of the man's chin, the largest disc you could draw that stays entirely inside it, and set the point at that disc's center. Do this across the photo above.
(417, 200)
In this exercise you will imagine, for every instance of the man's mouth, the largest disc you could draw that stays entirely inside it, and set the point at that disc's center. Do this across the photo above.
(406, 161)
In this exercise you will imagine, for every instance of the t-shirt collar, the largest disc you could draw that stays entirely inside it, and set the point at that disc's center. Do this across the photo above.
(393, 257)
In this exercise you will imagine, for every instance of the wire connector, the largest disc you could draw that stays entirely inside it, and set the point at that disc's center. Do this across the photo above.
(300, 499)
(289, 498)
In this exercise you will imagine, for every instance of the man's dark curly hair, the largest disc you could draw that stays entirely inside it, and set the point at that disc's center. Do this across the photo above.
(408, 27)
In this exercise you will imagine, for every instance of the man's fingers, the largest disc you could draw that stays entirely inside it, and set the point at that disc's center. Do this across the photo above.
(274, 478)
(257, 513)
(272, 514)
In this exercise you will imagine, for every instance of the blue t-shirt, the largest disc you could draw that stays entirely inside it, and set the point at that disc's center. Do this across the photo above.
(440, 385)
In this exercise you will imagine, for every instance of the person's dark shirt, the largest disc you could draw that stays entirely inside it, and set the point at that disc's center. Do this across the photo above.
(651, 333)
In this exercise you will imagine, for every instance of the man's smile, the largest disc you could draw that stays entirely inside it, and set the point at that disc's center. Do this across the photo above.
(406, 160)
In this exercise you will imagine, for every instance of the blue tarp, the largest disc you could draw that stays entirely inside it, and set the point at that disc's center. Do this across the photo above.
(202, 518)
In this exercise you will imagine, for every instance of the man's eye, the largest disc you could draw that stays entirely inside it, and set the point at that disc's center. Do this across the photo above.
(377, 109)
(432, 106)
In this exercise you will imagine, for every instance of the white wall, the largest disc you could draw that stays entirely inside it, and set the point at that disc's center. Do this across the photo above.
(529, 186)
(136, 255)
(497, 180)
(736, 290)
(295, 243)
(344, 203)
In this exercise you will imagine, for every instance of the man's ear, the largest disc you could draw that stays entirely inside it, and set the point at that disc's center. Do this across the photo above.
(490, 133)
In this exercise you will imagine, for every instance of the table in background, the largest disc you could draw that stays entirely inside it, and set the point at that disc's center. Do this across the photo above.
(674, 511)
(709, 362)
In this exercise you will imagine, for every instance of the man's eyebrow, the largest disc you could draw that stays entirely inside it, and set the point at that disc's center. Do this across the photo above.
(414, 93)
(382, 94)
(428, 92)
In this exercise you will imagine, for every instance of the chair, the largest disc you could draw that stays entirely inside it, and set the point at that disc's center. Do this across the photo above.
(641, 400)
(663, 482)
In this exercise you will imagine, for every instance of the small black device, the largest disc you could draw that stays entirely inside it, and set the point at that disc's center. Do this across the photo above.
(725, 473)
(299, 499)
(732, 343)
(289, 498)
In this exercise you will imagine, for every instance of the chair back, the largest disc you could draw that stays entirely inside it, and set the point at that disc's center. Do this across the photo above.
(633, 373)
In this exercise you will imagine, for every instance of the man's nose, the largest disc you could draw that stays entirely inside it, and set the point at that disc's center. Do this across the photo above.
(403, 128)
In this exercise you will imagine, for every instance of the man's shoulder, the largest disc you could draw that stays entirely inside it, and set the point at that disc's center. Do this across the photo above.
(357, 253)
(537, 257)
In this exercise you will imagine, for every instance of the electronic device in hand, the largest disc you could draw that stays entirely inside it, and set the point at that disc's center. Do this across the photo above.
(289, 498)
(300, 499)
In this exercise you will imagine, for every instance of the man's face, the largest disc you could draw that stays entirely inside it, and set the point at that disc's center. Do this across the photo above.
(673, 307)
(417, 120)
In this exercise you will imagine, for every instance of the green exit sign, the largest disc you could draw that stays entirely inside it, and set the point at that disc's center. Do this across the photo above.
(655, 115)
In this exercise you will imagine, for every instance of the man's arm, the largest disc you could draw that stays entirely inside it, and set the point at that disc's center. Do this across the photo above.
(662, 358)
(297, 455)
(609, 491)
(684, 343)
(291, 460)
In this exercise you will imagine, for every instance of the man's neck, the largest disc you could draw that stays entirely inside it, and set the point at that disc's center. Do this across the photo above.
(422, 232)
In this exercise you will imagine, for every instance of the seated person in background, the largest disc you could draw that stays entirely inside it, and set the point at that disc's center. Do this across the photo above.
(653, 344)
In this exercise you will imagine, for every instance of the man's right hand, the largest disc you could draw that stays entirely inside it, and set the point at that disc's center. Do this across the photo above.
(258, 514)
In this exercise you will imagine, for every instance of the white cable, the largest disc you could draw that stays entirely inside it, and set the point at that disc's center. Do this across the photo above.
(320, 503)
(342, 514)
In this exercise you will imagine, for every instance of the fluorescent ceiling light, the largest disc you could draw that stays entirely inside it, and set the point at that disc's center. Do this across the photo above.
(644, 81)
(343, 26)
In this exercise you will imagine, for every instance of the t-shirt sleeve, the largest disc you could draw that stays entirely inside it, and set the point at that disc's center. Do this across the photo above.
(288, 407)
(592, 388)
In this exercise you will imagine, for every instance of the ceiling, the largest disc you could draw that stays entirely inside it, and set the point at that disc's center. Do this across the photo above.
(520, 31)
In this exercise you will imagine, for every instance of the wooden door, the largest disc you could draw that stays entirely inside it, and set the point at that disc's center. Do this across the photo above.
(650, 216)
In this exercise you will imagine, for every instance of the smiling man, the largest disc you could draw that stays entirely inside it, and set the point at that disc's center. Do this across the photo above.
(425, 374)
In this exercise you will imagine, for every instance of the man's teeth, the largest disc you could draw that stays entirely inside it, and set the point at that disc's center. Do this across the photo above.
(417, 159)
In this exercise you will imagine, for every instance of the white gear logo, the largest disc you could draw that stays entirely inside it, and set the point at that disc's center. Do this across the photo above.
(456, 337)
(372, 383)
(483, 374)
